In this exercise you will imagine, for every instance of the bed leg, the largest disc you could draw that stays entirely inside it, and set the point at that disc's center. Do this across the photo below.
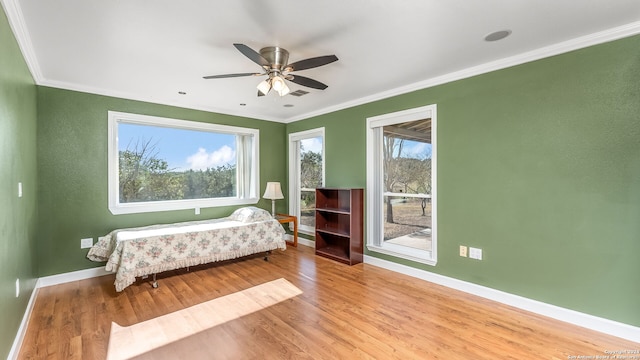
(155, 282)
(266, 255)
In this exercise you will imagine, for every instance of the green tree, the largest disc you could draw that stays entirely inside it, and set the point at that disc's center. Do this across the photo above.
(310, 176)
(146, 177)
(391, 145)
(143, 174)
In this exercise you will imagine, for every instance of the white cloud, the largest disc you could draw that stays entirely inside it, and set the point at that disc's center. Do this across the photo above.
(419, 150)
(313, 144)
(203, 160)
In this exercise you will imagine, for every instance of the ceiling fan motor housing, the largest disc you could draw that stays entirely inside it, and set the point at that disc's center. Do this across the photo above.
(276, 56)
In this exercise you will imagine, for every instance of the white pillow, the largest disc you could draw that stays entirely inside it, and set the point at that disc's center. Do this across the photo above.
(250, 214)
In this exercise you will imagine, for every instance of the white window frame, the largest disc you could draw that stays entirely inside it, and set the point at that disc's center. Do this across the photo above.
(375, 195)
(248, 171)
(294, 172)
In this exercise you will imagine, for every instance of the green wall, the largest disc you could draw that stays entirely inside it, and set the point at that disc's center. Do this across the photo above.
(72, 167)
(17, 164)
(538, 165)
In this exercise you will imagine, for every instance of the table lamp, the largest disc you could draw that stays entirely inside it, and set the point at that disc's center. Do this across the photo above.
(273, 192)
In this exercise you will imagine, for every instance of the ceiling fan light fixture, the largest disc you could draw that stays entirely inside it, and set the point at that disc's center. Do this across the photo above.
(279, 85)
(265, 86)
(284, 91)
(274, 62)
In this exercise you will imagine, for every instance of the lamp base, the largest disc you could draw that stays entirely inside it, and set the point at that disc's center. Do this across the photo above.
(273, 208)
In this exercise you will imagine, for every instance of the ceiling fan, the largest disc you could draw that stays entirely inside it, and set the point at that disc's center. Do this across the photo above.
(273, 60)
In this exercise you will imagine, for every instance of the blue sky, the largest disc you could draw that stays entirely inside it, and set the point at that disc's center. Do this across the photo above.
(415, 149)
(182, 149)
(312, 144)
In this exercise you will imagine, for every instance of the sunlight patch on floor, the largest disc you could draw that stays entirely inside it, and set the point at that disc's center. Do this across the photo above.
(126, 342)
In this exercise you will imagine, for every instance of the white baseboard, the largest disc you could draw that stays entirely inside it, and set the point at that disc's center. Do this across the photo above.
(22, 330)
(306, 242)
(71, 276)
(602, 325)
(43, 282)
(301, 240)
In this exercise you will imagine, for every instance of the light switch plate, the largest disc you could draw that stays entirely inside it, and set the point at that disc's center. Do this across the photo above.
(475, 253)
(86, 243)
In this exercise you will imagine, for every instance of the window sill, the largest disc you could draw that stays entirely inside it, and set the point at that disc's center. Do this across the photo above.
(421, 256)
(146, 207)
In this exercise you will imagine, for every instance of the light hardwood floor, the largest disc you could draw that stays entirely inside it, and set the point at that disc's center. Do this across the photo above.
(343, 313)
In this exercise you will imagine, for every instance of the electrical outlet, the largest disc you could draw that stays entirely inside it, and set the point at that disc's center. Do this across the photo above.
(463, 251)
(19, 189)
(17, 287)
(475, 253)
(86, 243)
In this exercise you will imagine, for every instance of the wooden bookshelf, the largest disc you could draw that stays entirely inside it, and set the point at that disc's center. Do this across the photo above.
(339, 224)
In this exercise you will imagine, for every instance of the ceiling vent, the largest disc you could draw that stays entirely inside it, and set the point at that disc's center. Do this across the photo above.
(298, 93)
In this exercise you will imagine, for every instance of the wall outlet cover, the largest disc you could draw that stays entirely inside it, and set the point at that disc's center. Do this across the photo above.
(463, 251)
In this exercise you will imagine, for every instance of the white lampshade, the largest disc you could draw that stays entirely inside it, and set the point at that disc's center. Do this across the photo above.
(284, 91)
(273, 191)
(265, 86)
(278, 83)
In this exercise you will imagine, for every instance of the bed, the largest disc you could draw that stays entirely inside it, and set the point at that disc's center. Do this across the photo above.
(143, 251)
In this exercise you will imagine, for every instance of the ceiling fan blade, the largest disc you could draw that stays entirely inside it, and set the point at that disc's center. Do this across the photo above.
(252, 54)
(260, 93)
(230, 75)
(312, 62)
(305, 81)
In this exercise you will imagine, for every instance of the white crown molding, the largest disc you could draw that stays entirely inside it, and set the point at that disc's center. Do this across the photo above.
(16, 22)
(602, 325)
(541, 53)
(151, 99)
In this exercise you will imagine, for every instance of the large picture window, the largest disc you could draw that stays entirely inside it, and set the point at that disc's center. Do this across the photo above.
(158, 164)
(306, 173)
(401, 184)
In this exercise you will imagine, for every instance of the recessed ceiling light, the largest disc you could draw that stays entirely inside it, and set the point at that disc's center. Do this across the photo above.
(182, 93)
(498, 35)
(288, 105)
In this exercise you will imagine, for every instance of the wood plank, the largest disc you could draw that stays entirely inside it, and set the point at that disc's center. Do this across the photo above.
(359, 312)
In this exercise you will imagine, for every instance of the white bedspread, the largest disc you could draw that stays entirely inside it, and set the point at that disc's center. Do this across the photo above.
(153, 249)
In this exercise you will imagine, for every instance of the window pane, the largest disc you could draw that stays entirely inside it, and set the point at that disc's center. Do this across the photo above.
(160, 163)
(310, 178)
(406, 157)
(308, 208)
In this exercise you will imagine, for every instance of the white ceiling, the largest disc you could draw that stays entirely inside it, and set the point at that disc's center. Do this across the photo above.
(151, 49)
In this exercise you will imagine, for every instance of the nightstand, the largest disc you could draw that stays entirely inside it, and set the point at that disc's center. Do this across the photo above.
(285, 219)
